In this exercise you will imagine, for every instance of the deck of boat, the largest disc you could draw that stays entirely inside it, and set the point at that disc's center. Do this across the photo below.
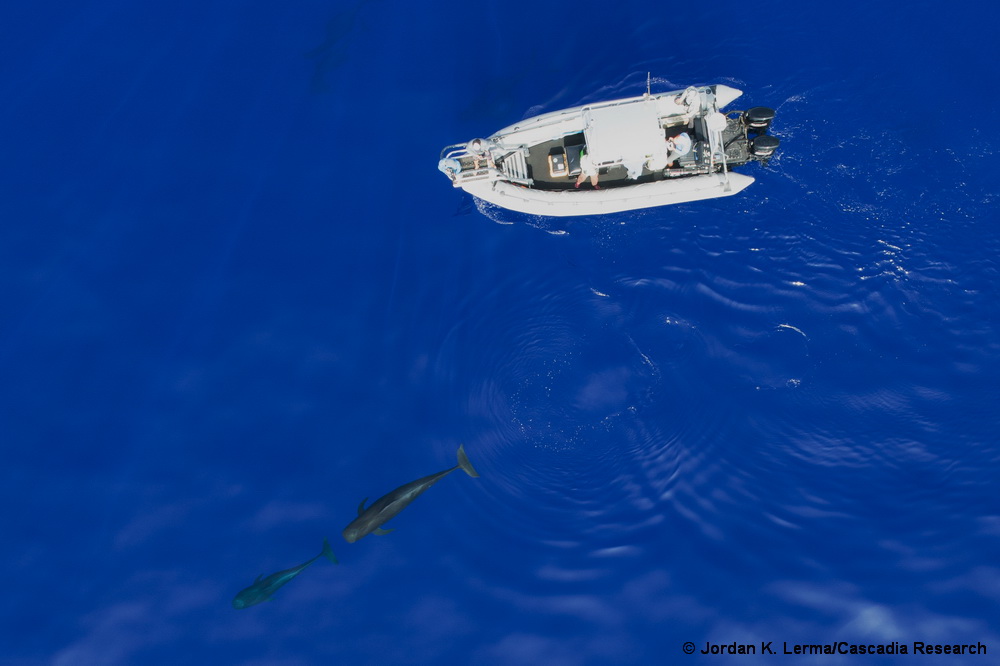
(695, 162)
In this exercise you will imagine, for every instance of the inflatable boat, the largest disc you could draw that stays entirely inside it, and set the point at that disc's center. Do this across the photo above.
(619, 155)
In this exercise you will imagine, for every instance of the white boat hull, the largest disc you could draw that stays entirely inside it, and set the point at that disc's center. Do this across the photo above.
(615, 156)
(604, 201)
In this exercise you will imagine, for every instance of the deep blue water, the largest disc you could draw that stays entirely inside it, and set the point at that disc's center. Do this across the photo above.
(238, 297)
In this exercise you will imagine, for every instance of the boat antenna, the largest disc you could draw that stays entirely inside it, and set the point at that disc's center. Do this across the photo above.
(647, 84)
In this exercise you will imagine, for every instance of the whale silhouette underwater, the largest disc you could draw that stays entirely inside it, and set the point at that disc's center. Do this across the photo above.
(263, 588)
(369, 521)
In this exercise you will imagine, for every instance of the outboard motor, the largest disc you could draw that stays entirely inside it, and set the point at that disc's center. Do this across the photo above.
(758, 119)
(762, 147)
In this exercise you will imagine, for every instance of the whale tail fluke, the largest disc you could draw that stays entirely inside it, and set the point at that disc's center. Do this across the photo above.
(463, 462)
(328, 552)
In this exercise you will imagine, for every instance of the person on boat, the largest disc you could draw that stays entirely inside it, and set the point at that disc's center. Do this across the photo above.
(677, 146)
(687, 98)
(587, 169)
(477, 148)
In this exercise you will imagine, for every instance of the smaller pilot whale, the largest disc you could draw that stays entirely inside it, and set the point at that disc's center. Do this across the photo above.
(387, 506)
(263, 588)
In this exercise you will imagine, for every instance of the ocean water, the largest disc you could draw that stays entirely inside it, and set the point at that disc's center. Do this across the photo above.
(238, 298)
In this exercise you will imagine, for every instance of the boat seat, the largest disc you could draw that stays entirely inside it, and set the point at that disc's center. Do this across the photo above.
(573, 159)
(700, 131)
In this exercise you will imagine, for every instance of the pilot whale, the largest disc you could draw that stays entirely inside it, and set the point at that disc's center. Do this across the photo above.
(384, 508)
(263, 588)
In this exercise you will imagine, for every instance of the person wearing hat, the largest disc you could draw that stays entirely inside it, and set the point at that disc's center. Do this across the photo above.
(479, 151)
(677, 146)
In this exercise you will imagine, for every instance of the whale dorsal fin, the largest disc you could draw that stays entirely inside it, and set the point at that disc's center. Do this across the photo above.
(361, 507)
(258, 578)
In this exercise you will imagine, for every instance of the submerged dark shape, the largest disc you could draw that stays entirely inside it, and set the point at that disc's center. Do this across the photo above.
(335, 49)
(387, 506)
(263, 588)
